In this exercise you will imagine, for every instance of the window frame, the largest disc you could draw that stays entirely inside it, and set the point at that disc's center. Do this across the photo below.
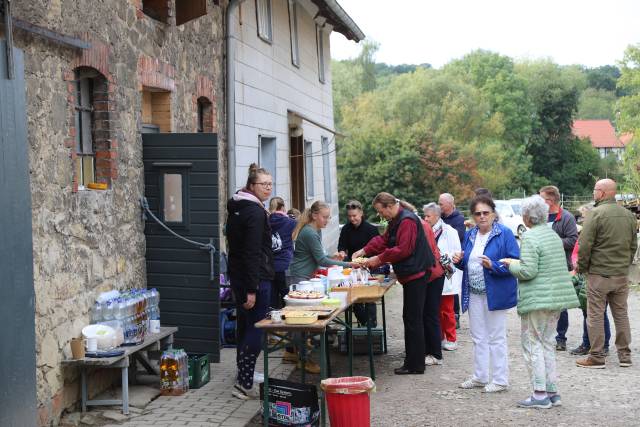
(293, 32)
(269, 139)
(84, 124)
(320, 53)
(326, 169)
(266, 36)
(309, 187)
(186, 211)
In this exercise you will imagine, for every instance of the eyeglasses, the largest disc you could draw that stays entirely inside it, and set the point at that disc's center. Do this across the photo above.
(265, 184)
(353, 206)
(482, 213)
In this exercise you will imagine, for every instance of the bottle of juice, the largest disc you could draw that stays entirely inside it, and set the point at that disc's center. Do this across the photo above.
(168, 373)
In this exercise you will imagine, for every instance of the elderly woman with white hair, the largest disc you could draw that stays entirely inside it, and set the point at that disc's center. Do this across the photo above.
(545, 289)
(448, 243)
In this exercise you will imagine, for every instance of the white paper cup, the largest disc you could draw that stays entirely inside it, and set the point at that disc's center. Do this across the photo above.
(276, 316)
(92, 344)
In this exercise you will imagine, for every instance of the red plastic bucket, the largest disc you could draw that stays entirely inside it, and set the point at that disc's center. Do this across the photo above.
(348, 401)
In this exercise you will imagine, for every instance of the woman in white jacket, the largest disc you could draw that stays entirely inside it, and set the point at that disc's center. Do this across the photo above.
(448, 243)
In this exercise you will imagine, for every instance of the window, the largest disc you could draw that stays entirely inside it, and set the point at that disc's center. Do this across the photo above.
(320, 48)
(326, 169)
(156, 109)
(263, 17)
(293, 30)
(308, 168)
(205, 115)
(268, 156)
(156, 9)
(189, 10)
(85, 160)
(172, 206)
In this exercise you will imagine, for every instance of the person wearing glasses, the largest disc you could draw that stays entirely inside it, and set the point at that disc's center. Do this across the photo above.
(250, 271)
(404, 245)
(354, 235)
(488, 291)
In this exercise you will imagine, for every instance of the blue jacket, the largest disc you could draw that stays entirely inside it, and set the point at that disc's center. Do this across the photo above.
(501, 286)
(456, 220)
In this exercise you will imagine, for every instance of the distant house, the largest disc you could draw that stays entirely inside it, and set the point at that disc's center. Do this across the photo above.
(281, 105)
(602, 136)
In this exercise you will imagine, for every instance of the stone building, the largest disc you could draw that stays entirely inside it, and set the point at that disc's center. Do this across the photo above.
(86, 109)
(98, 76)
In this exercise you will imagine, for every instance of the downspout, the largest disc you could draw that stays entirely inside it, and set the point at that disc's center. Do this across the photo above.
(231, 98)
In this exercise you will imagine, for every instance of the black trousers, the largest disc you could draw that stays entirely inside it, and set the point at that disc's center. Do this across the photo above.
(431, 318)
(413, 294)
(279, 289)
(366, 312)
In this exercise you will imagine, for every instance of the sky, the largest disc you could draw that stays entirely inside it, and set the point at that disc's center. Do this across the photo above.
(587, 32)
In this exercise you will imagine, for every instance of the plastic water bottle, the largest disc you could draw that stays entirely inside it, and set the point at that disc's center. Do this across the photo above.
(96, 313)
(108, 313)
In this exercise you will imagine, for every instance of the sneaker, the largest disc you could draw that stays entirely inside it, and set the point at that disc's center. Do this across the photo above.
(494, 388)
(429, 360)
(449, 345)
(579, 351)
(245, 393)
(561, 346)
(289, 357)
(471, 383)
(258, 377)
(625, 363)
(588, 362)
(555, 400)
(310, 367)
(531, 402)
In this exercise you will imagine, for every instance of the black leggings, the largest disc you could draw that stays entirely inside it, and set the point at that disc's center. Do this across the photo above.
(431, 318)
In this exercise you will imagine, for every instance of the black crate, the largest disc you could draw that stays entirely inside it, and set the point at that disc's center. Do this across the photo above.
(199, 373)
(360, 341)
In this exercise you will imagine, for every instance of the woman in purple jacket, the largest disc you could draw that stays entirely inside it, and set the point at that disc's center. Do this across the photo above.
(282, 226)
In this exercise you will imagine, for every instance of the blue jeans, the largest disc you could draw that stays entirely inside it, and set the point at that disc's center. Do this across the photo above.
(250, 337)
(562, 327)
(585, 333)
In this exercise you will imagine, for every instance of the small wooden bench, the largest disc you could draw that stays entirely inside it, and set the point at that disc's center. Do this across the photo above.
(152, 342)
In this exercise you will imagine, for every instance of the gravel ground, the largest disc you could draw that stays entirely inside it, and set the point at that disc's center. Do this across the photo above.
(590, 397)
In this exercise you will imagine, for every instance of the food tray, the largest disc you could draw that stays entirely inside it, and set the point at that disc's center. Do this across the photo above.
(322, 311)
(309, 318)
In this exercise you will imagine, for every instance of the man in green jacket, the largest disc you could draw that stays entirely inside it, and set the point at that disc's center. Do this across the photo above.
(608, 243)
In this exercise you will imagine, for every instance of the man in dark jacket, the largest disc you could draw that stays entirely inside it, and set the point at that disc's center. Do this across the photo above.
(564, 224)
(454, 218)
(354, 235)
(250, 271)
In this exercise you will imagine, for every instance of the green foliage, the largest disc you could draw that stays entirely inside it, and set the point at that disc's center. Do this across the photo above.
(596, 104)
(603, 78)
(629, 117)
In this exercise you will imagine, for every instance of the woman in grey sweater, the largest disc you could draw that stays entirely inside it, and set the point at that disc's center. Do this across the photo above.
(309, 254)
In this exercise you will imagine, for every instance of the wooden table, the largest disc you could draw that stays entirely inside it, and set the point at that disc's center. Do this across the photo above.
(319, 327)
(160, 341)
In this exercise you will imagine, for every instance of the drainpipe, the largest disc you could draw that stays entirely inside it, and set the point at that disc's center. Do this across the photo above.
(231, 97)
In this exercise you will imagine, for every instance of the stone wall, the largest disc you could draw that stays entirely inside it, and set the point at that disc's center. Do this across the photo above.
(89, 241)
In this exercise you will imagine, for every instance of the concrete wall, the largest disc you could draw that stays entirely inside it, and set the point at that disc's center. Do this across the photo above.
(267, 84)
(84, 241)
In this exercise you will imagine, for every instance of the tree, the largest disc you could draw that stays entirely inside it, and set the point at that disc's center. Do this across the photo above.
(603, 78)
(629, 118)
(596, 104)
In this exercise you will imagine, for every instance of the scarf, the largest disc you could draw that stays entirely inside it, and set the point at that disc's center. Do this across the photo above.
(245, 194)
(437, 229)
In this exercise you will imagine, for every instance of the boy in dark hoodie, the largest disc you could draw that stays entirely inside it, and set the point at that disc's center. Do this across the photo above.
(282, 226)
(250, 271)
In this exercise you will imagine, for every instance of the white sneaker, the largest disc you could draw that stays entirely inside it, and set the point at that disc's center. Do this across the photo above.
(240, 392)
(494, 388)
(429, 360)
(449, 346)
(471, 383)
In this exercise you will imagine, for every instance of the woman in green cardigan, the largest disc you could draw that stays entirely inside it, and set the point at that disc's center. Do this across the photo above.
(544, 290)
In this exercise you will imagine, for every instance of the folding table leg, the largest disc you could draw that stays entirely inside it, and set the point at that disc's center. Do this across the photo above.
(125, 390)
(323, 374)
(370, 345)
(303, 358)
(384, 326)
(328, 353)
(83, 381)
(265, 386)
(349, 339)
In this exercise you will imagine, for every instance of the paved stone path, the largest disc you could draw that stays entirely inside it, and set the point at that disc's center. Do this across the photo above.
(590, 397)
(210, 406)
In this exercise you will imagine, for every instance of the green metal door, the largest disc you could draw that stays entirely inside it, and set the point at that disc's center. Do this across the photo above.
(181, 187)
